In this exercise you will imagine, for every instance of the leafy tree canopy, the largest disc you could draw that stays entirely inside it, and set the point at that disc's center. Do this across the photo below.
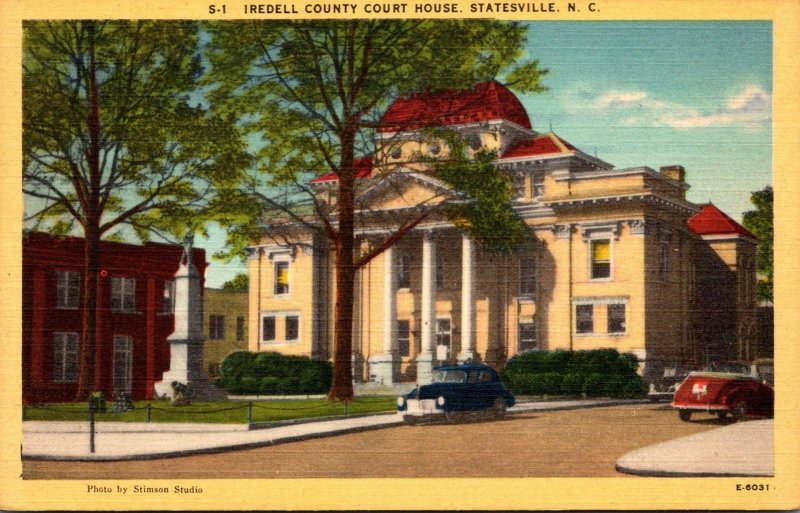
(759, 221)
(239, 283)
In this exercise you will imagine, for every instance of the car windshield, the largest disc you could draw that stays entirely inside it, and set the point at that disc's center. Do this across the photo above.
(448, 376)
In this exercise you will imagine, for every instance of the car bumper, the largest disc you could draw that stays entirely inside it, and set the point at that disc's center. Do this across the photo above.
(421, 408)
(709, 407)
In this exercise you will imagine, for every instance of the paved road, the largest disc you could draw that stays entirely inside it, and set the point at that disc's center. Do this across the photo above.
(579, 443)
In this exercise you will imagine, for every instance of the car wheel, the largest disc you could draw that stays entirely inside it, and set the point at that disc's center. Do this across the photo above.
(739, 410)
(450, 416)
(685, 415)
(499, 407)
(722, 415)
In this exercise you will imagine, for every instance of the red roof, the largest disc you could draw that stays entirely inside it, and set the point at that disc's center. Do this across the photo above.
(544, 144)
(362, 166)
(484, 102)
(713, 221)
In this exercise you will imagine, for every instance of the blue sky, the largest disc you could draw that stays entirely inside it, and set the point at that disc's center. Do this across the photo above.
(698, 94)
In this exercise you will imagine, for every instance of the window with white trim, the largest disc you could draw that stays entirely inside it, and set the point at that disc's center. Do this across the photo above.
(616, 318)
(404, 272)
(281, 269)
(268, 331)
(65, 358)
(584, 319)
(403, 337)
(123, 294)
(123, 364)
(68, 289)
(527, 276)
(527, 336)
(600, 254)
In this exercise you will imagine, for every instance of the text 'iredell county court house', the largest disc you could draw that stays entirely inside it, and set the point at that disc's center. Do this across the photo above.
(618, 258)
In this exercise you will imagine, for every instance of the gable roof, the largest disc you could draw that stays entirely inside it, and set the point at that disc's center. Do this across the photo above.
(362, 167)
(542, 144)
(713, 221)
(485, 101)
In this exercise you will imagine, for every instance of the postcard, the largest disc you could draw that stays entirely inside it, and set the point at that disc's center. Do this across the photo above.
(400, 255)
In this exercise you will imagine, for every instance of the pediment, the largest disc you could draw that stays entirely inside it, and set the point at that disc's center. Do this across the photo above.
(403, 189)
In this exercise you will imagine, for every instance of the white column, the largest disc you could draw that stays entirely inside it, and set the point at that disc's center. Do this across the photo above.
(384, 367)
(428, 328)
(467, 299)
(389, 302)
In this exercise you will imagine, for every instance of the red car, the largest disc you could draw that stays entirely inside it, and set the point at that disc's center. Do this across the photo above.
(738, 394)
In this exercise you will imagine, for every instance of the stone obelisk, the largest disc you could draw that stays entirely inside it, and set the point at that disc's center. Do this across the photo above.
(186, 342)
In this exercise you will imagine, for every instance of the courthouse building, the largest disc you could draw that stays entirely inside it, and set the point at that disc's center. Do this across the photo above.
(617, 258)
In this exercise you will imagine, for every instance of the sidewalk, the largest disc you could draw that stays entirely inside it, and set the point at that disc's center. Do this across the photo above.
(69, 441)
(742, 449)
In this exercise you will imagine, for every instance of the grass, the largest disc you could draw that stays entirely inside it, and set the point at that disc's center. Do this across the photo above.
(223, 412)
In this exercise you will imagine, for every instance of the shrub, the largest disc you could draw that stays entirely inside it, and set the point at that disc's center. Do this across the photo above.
(572, 384)
(594, 385)
(273, 373)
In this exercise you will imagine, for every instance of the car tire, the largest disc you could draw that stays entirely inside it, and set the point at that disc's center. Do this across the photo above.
(739, 410)
(723, 415)
(499, 407)
(685, 415)
(451, 416)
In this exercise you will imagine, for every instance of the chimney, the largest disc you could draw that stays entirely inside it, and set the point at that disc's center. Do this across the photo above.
(674, 172)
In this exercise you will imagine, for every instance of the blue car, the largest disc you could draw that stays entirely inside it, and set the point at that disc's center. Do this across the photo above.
(457, 389)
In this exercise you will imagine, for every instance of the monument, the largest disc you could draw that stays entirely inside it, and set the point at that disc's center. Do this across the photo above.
(186, 342)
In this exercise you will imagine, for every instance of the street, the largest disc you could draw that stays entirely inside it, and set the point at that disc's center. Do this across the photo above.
(575, 443)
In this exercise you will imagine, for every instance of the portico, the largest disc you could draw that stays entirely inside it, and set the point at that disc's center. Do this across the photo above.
(385, 367)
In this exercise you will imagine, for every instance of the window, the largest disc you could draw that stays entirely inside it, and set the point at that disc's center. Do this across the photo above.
(268, 328)
(239, 329)
(439, 272)
(435, 148)
(443, 332)
(538, 185)
(123, 363)
(292, 328)
(404, 272)
(527, 276)
(616, 318)
(584, 318)
(663, 261)
(601, 258)
(169, 297)
(65, 360)
(403, 338)
(216, 327)
(281, 278)
(123, 294)
(475, 142)
(527, 336)
(397, 152)
(68, 289)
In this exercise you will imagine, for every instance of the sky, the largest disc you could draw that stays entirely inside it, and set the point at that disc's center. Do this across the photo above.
(698, 94)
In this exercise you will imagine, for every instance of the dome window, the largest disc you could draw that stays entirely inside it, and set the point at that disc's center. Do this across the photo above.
(435, 148)
(397, 153)
(475, 142)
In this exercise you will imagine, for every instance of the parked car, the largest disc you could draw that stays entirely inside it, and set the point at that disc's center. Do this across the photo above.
(741, 394)
(664, 389)
(456, 389)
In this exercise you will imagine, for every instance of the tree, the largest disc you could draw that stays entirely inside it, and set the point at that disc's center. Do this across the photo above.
(239, 283)
(759, 221)
(314, 92)
(110, 140)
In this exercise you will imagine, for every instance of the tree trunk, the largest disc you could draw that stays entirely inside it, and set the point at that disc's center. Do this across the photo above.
(87, 369)
(342, 386)
(91, 229)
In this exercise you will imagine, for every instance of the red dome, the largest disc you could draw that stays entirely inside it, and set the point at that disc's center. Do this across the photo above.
(484, 102)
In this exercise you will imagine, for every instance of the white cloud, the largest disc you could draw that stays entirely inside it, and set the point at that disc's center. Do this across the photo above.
(750, 108)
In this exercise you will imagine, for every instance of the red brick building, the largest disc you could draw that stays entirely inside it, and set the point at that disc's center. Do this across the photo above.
(135, 317)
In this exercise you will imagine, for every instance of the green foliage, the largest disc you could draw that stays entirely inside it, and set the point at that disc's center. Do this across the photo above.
(760, 222)
(601, 372)
(239, 283)
(268, 373)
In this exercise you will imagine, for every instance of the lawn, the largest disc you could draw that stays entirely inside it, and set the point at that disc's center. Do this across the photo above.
(223, 412)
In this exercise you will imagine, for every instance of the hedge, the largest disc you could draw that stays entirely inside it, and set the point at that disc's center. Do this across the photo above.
(597, 373)
(271, 373)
